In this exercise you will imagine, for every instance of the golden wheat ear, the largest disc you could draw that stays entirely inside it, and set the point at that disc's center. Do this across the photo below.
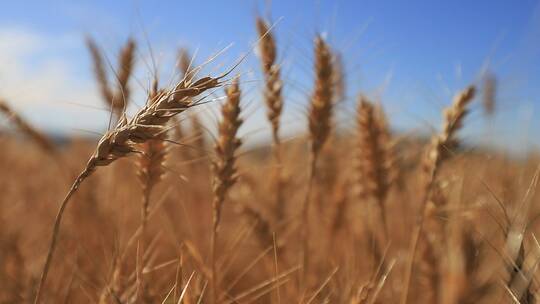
(100, 71)
(115, 99)
(273, 83)
(374, 158)
(321, 105)
(125, 70)
(442, 144)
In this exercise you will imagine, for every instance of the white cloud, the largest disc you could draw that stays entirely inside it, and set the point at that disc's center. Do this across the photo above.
(39, 76)
(49, 80)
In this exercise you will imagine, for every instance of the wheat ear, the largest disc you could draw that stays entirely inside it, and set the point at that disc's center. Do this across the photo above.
(116, 99)
(224, 166)
(441, 145)
(125, 70)
(320, 114)
(100, 71)
(148, 123)
(374, 157)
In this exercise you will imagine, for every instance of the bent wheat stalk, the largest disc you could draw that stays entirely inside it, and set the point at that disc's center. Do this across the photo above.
(148, 123)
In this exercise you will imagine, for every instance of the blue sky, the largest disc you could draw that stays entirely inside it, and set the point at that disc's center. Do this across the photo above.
(412, 55)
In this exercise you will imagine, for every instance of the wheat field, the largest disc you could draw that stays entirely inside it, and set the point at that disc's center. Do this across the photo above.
(157, 211)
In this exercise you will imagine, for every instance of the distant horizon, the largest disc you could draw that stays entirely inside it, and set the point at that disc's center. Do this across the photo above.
(411, 56)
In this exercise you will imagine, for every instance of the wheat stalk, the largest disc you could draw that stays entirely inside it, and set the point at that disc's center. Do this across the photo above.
(320, 114)
(489, 94)
(151, 163)
(437, 152)
(224, 166)
(340, 90)
(197, 134)
(274, 104)
(148, 123)
(151, 171)
(183, 65)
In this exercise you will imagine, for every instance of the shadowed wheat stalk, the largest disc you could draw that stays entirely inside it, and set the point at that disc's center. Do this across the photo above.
(148, 123)
(224, 167)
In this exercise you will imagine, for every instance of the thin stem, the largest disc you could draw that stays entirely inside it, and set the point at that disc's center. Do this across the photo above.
(382, 209)
(56, 229)
(305, 219)
(278, 179)
(142, 241)
(217, 203)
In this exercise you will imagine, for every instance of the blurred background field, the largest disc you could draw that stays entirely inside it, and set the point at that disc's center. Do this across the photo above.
(353, 152)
